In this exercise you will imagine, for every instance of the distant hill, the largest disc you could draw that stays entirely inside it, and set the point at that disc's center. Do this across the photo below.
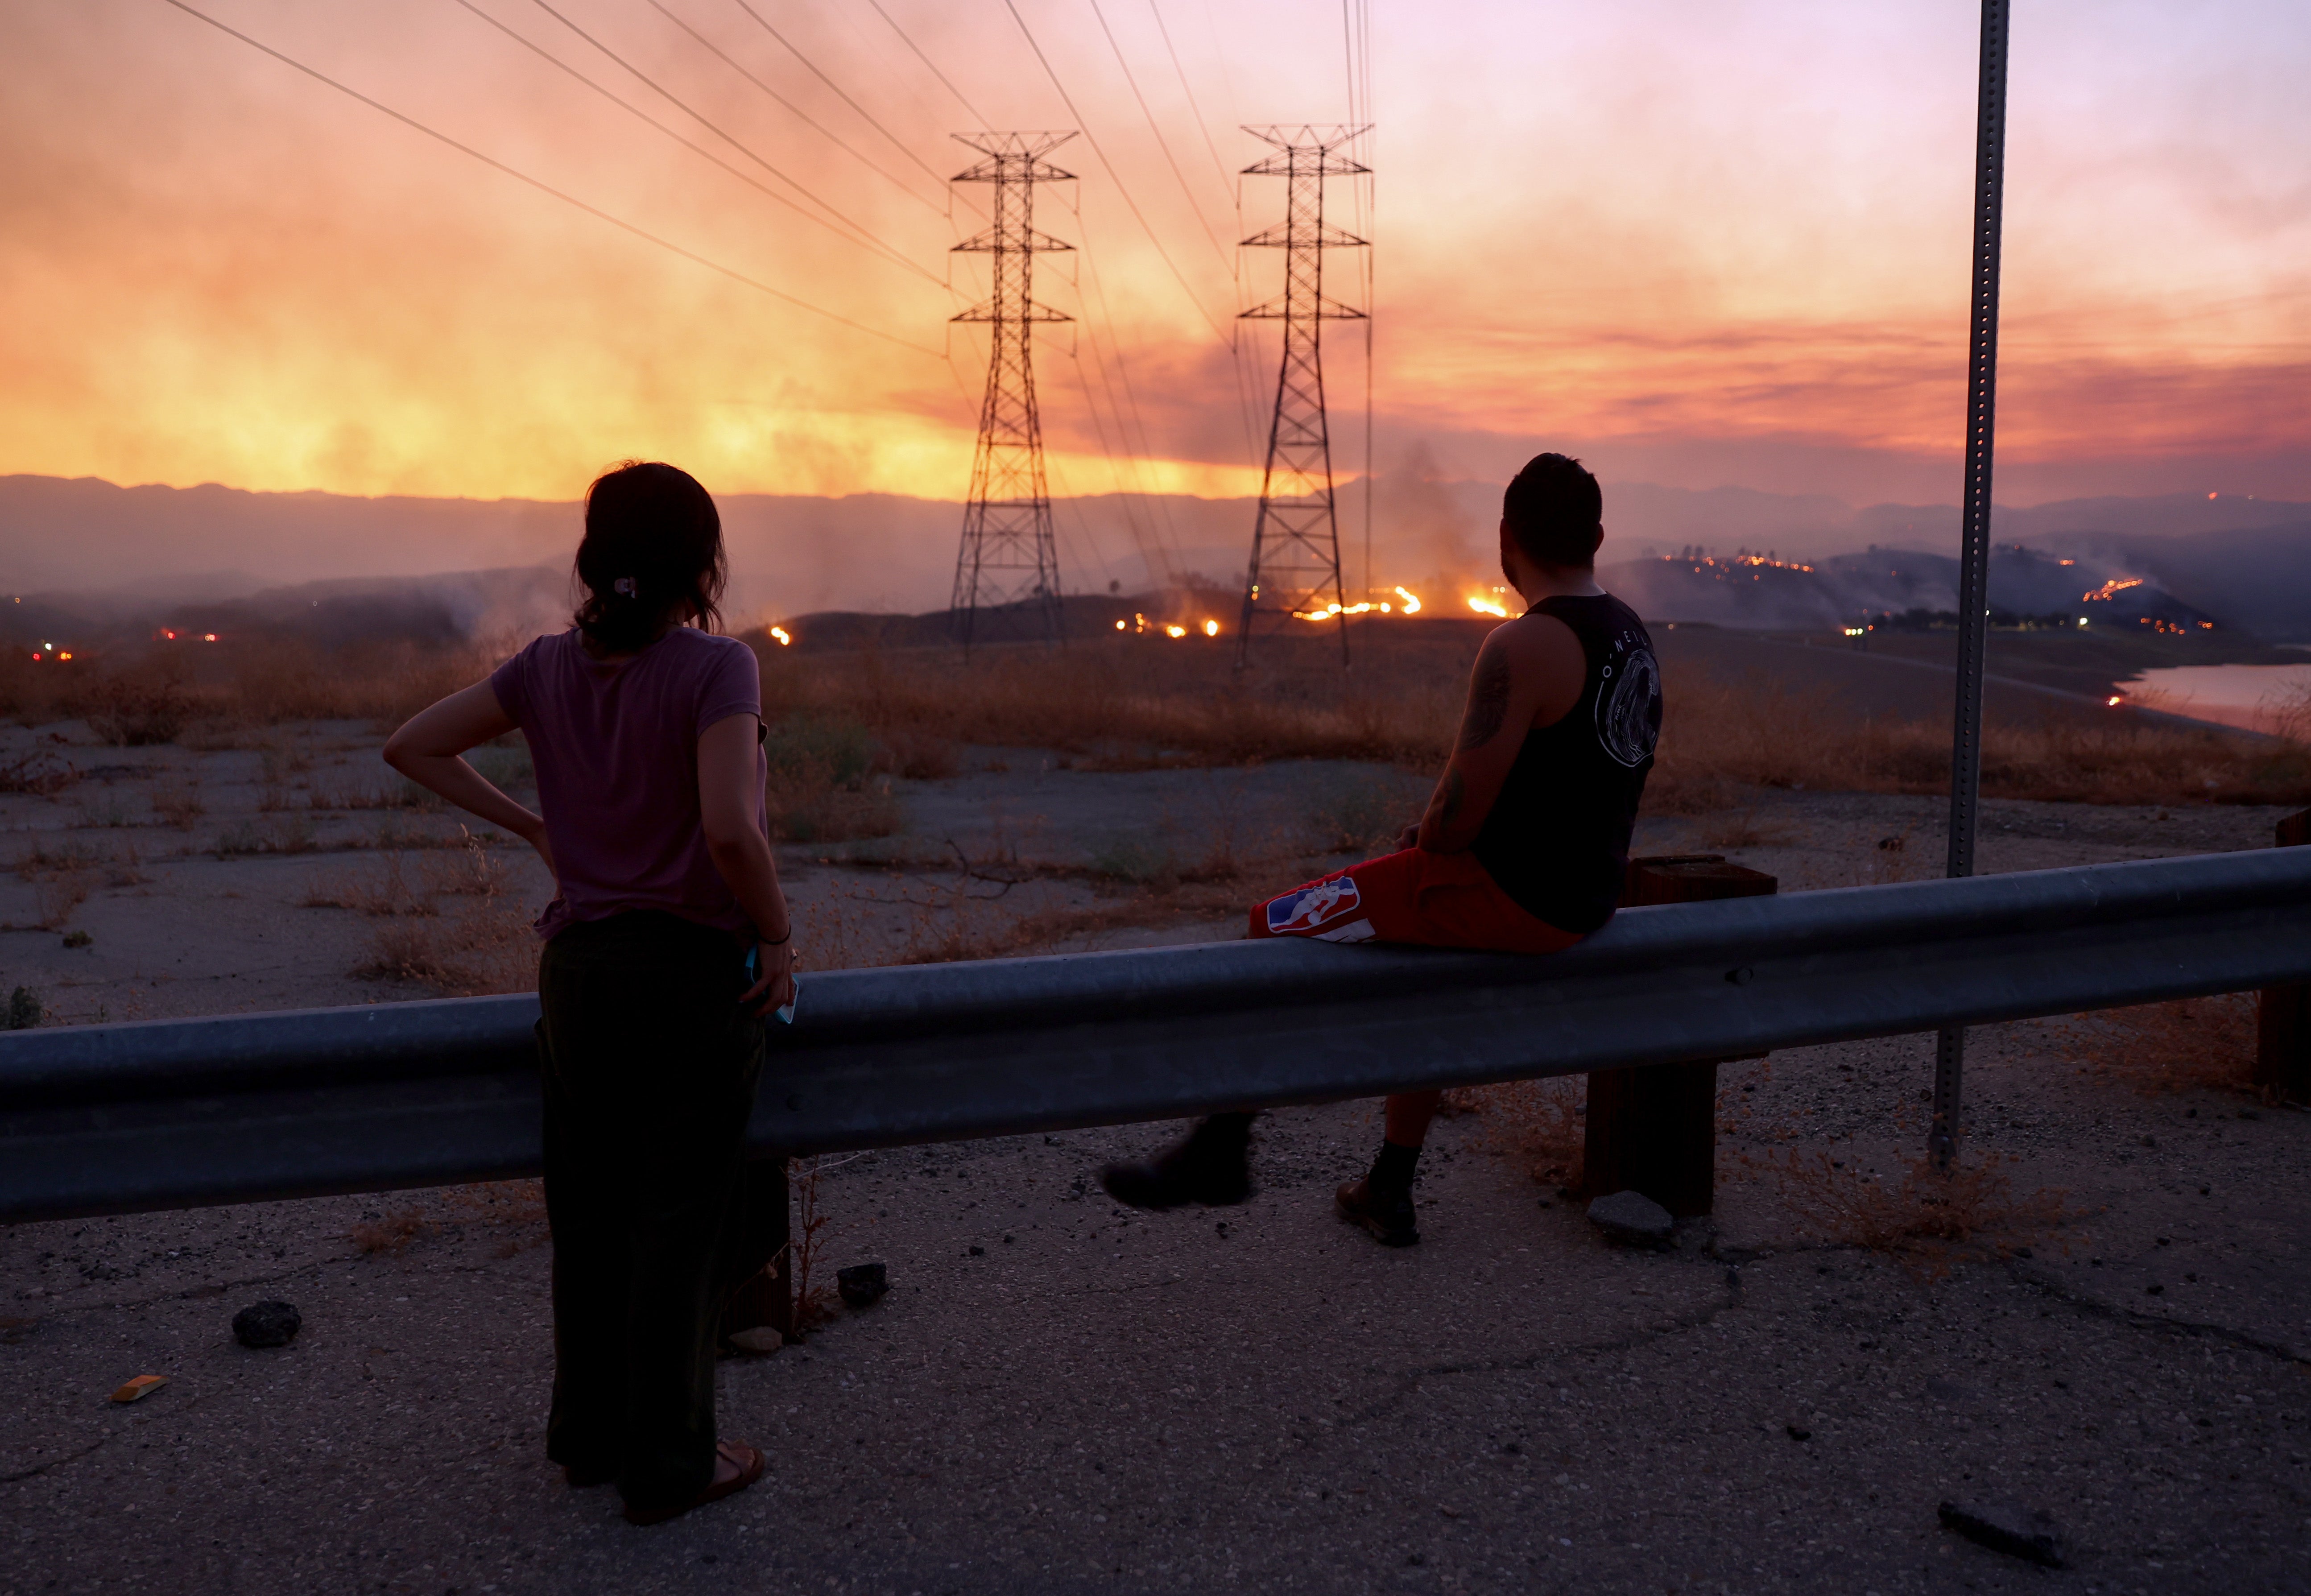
(1755, 590)
(83, 552)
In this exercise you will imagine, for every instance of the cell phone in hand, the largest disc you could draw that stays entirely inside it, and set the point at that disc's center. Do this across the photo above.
(784, 1012)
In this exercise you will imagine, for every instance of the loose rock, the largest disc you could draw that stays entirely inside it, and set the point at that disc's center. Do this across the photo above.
(2002, 1526)
(861, 1284)
(266, 1324)
(1632, 1218)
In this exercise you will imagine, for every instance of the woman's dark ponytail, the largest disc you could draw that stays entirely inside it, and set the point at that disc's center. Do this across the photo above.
(651, 557)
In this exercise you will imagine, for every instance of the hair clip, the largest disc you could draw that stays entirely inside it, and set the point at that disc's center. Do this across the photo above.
(624, 585)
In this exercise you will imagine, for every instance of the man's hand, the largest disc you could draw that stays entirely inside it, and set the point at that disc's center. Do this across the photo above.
(1410, 837)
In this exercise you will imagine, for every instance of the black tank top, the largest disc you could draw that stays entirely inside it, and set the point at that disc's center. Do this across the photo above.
(1556, 839)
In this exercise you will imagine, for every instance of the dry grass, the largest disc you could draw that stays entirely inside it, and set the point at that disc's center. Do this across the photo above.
(1925, 1214)
(518, 1204)
(390, 1234)
(1720, 737)
(2187, 1045)
(42, 771)
(1126, 705)
(57, 895)
(177, 802)
(1537, 1124)
(814, 1303)
(486, 948)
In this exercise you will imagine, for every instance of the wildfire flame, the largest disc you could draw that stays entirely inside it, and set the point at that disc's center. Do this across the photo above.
(1485, 604)
(1411, 602)
(1211, 628)
(2111, 588)
(779, 633)
(1175, 632)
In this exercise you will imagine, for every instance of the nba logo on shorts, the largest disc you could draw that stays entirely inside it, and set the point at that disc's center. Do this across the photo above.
(1300, 914)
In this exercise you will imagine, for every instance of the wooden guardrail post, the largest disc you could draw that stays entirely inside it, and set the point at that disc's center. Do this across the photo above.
(761, 1255)
(2282, 1052)
(1654, 1127)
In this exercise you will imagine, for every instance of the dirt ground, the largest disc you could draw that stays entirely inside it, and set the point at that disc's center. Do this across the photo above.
(1060, 1396)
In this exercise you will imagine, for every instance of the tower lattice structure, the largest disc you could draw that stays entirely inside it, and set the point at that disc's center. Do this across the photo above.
(1009, 558)
(1294, 569)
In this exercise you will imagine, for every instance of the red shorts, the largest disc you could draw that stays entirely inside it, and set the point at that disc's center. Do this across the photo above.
(1434, 899)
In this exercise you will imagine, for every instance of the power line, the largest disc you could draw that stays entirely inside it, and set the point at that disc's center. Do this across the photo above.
(522, 177)
(627, 105)
(1202, 127)
(926, 60)
(1161, 141)
(808, 120)
(791, 50)
(705, 122)
(1068, 100)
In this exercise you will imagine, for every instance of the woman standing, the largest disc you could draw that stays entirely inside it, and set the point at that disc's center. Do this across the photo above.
(666, 942)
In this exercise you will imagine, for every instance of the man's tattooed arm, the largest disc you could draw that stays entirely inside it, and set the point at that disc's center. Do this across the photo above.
(1444, 803)
(1489, 700)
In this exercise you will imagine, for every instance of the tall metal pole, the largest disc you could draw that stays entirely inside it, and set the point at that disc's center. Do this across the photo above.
(1973, 556)
(1010, 554)
(1294, 569)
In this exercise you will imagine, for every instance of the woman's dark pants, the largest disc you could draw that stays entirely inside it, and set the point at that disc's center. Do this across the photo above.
(649, 1072)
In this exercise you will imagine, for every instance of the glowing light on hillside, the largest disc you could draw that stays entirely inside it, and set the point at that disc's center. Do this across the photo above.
(1856, 631)
(1122, 627)
(208, 637)
(2110, 589)
(1175, 632)
(2114, 701)
(1211, 628)
(1411, 602)
(1485, 605)
(779, 633)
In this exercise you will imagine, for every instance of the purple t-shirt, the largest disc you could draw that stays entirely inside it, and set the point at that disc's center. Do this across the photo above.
(616, 744)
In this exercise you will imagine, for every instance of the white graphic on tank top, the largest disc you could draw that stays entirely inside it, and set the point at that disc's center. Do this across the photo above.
(1626, 728)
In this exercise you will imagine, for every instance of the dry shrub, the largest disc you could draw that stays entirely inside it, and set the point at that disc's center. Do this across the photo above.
(1925, 1214)
(813, 1304)
(41, 860)
(136, 710)
(823, 784)
(1535, 1123)
(2188, 1045)
(274, 834)
(42, 771)
(177, 801)
(60, 895)
(488, 947)
(391, 1235)
(389, 887)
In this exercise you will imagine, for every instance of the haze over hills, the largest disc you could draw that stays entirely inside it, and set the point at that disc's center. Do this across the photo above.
(86, 550)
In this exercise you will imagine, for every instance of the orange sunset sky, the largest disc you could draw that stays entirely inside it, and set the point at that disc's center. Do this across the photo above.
(1700, 243)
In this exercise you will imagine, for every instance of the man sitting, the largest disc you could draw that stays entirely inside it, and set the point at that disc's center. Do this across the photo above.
(1523, 845)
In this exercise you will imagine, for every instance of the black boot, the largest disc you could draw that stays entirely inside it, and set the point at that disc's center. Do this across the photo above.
(1382, 1202)
(1212, 1166)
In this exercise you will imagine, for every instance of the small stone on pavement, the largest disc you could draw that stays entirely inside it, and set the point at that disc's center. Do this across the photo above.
(1632, 1217)
(266, 1324)
(2003, 1527)
(861, 1284)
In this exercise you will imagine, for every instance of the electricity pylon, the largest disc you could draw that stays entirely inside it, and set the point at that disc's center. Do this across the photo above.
(1010, 555)
(1295, 542)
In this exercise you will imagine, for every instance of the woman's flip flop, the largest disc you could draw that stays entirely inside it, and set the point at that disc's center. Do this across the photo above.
(749, 1463)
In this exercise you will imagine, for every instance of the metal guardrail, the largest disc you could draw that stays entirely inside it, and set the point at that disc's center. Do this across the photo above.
(116, 1119)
